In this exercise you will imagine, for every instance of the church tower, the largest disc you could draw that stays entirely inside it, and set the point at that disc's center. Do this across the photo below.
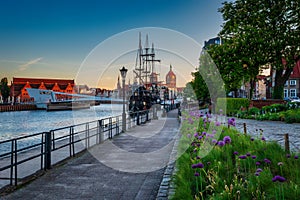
(171, 79)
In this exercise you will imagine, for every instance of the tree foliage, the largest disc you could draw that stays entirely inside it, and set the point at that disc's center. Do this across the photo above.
(4, 89)
(260, 32)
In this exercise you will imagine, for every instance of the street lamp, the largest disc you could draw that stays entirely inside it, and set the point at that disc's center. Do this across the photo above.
(123, 75)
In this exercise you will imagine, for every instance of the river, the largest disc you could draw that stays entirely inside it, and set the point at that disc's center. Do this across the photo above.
(22, 123)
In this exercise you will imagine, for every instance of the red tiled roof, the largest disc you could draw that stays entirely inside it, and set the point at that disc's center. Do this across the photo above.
(40, 80)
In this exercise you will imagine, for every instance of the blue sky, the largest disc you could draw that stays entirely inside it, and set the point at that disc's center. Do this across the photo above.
(52, 38)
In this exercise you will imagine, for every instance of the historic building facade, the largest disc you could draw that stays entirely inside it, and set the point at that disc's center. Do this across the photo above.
(171, 79)
(19, 85)
(292, 85)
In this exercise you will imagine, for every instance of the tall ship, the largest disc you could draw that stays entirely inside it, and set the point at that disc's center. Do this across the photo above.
(149, 90)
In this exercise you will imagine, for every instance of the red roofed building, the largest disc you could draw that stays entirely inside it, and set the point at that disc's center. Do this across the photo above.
(292, 86)
(19, 85)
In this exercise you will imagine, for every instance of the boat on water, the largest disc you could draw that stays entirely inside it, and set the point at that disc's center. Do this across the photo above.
(47, 100)
(67, 105)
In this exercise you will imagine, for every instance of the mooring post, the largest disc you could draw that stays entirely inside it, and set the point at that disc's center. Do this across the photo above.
(245, 128)
(286, 142)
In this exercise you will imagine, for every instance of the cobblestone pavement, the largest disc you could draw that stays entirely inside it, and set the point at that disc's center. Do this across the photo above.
(272, 130)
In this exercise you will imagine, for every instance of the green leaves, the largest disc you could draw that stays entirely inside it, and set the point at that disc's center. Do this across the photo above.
(4, 89)
(256, 33)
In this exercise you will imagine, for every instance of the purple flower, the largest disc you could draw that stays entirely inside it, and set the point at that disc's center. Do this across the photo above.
(278, 178)
(248, 154)
(203, 133)
(227, 139)
(288, 155)
(231, 122)
(235, 153)
(242, 157)
(257, 174)
(267, 161)
(189, 135)
(296, 157)
(253, 157)
(257, 163)
(221, 143)
(196, 135)
(263, 138)
(208, 163)
(196, 174)
(200, 165)
(214, 141)
(194, 166)
(200, 137)
(252, 139)
(259, 170)
(197, 157)
(218, 123)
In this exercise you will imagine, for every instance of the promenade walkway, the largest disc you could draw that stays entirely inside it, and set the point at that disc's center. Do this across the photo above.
(130, 166)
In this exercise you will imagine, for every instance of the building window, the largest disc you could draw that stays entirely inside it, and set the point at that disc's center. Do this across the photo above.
(292, 92)
(292, 82)
(286, 93)
(286, 83)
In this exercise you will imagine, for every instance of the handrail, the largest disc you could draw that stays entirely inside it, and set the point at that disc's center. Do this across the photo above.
(45, 144)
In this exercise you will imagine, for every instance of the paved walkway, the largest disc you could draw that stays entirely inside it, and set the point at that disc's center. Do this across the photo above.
(130, 166)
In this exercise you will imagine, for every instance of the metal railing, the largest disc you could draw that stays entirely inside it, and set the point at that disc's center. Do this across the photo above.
(24, 156)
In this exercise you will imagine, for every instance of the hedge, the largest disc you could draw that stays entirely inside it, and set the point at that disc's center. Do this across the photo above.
(233, 105)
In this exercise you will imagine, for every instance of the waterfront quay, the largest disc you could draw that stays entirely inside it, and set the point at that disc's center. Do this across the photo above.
(19, 107)
(102, 172)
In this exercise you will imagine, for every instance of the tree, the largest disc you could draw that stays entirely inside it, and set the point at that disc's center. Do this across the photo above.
(4, 89)
(267, 32)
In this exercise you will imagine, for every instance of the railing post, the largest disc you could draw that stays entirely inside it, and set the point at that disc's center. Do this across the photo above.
(12, 162)
(287, 142)
(110, 128)
(147, 115)
(47, 150)
(138, 118)
(101, 133)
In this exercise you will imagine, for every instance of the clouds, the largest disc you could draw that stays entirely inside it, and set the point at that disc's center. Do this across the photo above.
(25, 66)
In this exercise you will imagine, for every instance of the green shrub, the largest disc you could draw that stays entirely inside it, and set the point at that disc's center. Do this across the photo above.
(254, 111)
(233, 105)
(292, 116)
(274, 108)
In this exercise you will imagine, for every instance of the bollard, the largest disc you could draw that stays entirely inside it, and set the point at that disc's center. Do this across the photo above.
(286, 142)
(245, 129)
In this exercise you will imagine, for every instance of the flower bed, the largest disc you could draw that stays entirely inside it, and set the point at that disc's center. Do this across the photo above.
(232, 165)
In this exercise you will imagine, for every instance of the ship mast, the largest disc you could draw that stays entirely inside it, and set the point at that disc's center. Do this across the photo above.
(145, 61)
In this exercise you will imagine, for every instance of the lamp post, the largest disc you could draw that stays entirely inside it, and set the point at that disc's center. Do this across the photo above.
(123, 74)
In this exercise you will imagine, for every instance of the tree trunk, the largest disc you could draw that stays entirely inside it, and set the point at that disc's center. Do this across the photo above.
(280, 80)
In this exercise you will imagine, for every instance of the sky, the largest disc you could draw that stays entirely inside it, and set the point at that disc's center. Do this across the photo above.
(67, 39)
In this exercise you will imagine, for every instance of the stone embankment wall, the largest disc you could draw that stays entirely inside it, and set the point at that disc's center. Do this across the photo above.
(20, 107)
